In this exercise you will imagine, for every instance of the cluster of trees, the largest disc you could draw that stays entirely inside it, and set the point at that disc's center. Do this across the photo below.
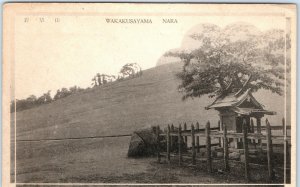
(129, 70)
(64, 92)
(33, 101)
(231, 60)
(101, 79)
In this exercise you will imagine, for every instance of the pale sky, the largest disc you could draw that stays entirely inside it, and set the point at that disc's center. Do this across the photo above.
(49, 55)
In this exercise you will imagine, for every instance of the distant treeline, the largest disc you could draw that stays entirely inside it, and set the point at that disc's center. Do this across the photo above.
(128, 71)
(33, 101)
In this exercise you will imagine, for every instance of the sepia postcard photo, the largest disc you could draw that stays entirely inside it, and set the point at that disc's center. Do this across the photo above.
(98, 94)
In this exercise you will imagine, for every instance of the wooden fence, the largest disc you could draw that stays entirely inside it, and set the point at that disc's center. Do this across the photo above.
(215, 132)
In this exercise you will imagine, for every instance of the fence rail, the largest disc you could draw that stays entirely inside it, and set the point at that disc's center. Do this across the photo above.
(274, 127)
(223, 136)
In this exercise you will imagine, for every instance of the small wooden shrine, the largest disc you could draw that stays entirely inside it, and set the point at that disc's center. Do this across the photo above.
(235, 107)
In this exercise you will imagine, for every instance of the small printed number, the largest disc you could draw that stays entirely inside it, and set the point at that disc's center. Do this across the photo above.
(26, 20)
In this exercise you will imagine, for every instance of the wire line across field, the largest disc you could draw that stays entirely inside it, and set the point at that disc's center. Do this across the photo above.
(75, 138)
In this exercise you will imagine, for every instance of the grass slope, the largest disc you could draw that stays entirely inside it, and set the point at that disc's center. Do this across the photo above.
(122, 107)
(117, 108)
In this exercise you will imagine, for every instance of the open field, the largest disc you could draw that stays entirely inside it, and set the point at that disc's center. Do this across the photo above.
(118, 108)
(105, 161)
(91, 160)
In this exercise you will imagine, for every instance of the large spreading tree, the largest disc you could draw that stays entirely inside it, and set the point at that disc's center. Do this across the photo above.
(231, 60)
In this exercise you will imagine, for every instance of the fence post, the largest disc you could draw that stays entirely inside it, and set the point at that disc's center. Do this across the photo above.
(283, 126)
(269, 151)
(179, 144)
(219, 126)
(226, 163)
(258, 125)
(252, 131)
(286, 148)
(246, 153)
(172, 138)
(287, 155)
(168, 144)
(208, 150)
(157, 144)
(193, 145)
(252, 125)
(185, 137)
(198, 138)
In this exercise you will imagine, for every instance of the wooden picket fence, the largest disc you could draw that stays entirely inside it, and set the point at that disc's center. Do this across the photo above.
(222, 135)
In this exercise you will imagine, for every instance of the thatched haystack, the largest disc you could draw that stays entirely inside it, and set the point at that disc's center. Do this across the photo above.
(144, 143)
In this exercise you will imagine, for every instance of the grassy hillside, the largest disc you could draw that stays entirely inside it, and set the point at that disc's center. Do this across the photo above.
(122, 107)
